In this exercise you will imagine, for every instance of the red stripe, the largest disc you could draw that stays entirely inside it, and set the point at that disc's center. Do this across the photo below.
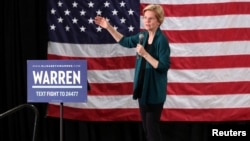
(218, 114)
(203, 62)
(229, 114)
(211, 35)
(210, 9)
(107, 63)
(175, 88)
(95, 114)
(111, 89)
(209, 88)
(210, 62)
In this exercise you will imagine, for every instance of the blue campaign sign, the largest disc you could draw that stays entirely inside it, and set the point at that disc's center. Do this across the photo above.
(57, 80)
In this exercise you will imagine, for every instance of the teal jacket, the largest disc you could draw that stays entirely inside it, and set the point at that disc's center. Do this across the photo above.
(155, 80)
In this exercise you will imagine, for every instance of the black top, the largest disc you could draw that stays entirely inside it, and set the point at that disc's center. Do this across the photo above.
(141, 74)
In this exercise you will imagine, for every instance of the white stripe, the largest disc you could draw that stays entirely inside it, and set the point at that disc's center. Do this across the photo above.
(204, 22)
(106, 102)
(110, 76)
(193, 76)
(177, 49)
(209, 75)
(208, 102)
(89, 50)
(189, 1)
(210, 48)
(173, 101)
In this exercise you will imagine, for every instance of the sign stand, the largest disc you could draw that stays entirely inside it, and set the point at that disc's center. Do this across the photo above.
(61, 121)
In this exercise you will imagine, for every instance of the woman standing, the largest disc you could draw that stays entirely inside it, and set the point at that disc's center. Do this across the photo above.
(150, 79)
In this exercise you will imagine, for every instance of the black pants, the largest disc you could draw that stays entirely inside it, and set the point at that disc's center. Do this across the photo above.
(151, 115)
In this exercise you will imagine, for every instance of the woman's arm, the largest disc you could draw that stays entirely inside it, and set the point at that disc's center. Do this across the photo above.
(101, 21)
(150, 59)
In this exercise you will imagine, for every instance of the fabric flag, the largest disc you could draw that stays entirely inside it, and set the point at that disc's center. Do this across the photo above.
(209, 76)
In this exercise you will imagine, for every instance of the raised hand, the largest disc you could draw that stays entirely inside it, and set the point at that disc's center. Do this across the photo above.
(101, 21)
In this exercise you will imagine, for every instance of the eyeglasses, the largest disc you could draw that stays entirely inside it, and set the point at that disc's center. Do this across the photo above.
(149, 19)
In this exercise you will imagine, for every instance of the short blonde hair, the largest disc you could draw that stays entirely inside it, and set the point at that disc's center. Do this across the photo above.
(159, 12)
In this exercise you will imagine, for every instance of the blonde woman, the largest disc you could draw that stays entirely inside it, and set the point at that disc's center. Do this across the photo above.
(150, 79)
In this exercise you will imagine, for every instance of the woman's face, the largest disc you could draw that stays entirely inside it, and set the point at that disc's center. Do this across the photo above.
(150, 21)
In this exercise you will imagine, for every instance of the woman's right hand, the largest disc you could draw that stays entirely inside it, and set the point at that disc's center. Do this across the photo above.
(101, 21)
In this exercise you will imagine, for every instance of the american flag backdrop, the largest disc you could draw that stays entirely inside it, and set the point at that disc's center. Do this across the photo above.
(209, 78)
